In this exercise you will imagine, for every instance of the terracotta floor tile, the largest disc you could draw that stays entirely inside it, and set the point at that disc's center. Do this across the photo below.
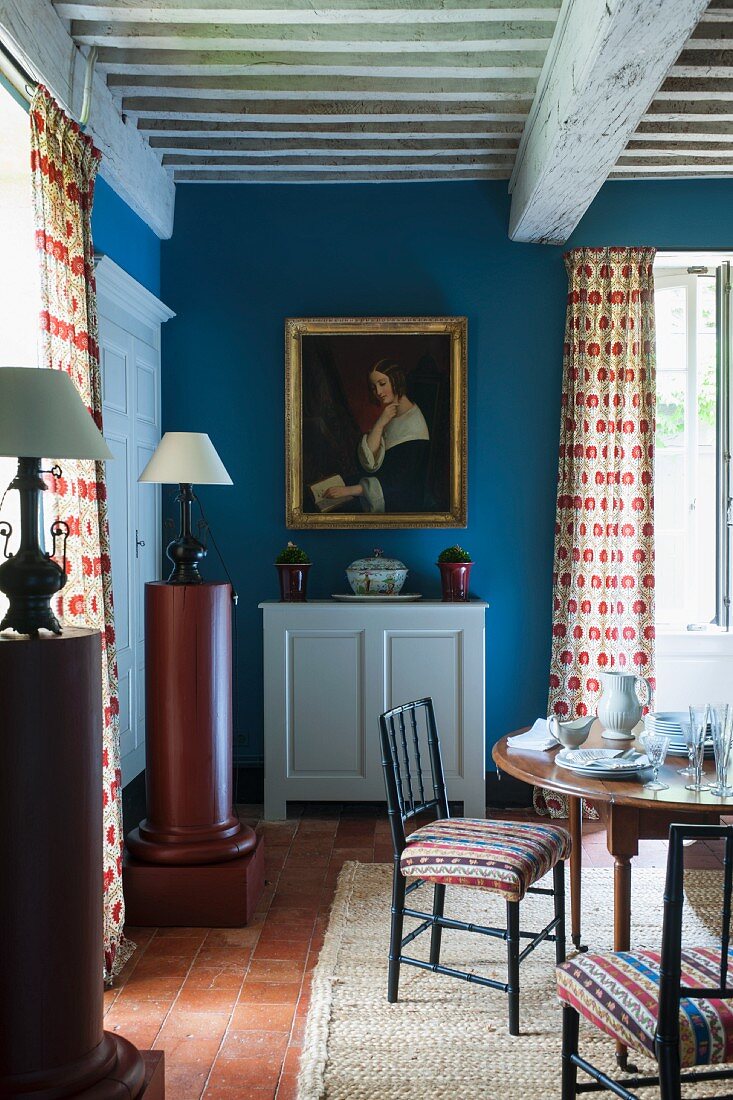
(183, 1050)
(182, 1024)
(232, 1068)
(269, 993)
(233, 937)
(228, 958)
(175, 945)
(214, 977)
(169, 966)
(193, 999)
(275, 970)
(263, 1017)
(215, 1090)
(149, 989)
(287, 1089)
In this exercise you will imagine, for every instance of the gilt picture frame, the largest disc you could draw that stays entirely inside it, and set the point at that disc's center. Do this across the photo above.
(375, 422)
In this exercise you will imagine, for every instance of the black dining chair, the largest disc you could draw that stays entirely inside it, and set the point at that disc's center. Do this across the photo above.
(672, 1004)
(504, 857)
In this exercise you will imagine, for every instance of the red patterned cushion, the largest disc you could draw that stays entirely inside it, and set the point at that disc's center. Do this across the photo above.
(619, 993)
(506, 856)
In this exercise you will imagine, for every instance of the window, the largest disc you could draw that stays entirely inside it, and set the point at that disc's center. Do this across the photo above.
(18, 274)
(692, 574)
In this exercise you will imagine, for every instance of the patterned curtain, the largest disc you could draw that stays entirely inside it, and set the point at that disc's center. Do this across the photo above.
(64, 164)
(603, 610)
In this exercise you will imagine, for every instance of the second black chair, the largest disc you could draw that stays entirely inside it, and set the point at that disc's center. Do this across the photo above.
(504, 857)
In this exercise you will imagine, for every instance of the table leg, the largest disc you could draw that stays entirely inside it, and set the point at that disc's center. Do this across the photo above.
(623, 844)
(575, 821)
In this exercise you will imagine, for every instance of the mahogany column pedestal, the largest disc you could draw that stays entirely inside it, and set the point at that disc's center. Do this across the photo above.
(52, 1043)
(191, 862)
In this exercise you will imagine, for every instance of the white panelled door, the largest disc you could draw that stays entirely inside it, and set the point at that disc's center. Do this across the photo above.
(130, 320)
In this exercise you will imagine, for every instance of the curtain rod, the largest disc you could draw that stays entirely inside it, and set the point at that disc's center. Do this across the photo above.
(16, 75)
(19, 77)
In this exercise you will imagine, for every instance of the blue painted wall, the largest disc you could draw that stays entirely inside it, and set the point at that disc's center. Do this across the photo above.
(244, 258)
(124, 237)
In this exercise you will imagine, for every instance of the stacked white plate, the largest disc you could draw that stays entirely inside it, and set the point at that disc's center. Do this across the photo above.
(672, 723)
(603, 763)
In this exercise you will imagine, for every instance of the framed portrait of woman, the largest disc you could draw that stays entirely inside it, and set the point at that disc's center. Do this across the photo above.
(375, 422)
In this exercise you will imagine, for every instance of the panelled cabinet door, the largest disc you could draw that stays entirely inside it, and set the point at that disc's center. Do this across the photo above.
(330, 670)
(130, 320)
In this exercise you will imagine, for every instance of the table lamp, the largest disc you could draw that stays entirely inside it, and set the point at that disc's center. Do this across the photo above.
(41, 415)
(185, 458)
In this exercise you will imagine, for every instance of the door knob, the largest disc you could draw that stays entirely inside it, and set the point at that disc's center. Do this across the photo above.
(138, 543)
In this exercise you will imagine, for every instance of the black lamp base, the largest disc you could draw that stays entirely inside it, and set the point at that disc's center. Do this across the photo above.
(30, 577)
(186, 551)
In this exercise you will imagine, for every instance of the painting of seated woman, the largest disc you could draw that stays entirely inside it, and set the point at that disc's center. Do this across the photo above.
(375, 412)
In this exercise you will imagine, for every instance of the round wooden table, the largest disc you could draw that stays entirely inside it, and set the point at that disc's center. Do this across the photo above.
(633, 814)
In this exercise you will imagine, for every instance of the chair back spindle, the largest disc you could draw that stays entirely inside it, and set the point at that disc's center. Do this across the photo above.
(671, 990)
(405, 732)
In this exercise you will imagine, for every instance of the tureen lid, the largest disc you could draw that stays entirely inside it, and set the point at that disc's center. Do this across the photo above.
(376, 561)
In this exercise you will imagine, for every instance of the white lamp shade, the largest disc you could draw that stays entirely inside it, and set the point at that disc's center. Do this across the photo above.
(43, 416)
(186, 458)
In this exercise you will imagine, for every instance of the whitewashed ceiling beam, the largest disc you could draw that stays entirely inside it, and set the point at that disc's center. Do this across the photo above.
(679, 148)
(607, 59)
(200, 63)
(36, 36)
(378, 158)
(667, 171)
(232, 86)
(327, 128)
(287, 146)
(396, 39)
(303, 12)
(359, 110)
(338, 175)
(684, 130)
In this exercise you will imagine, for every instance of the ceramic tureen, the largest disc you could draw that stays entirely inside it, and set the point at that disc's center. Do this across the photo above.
(377, 575)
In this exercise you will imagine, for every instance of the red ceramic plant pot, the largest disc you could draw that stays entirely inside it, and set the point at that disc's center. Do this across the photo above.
(293, 582)
(454, 578)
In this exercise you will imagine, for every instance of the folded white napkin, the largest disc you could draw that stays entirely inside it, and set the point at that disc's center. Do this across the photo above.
(538, 738)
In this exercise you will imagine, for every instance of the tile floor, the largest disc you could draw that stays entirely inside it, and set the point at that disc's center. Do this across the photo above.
(228, 1006)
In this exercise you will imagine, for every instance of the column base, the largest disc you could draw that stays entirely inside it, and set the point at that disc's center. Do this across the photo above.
(124, 1075)
(216, 895)
(178, 850)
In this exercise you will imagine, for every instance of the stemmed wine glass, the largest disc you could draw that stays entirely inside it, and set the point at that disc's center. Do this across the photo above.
(655, 746)
(721, 722)
(699, 717)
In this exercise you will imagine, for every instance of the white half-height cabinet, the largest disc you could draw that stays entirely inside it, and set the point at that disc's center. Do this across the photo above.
(332, 668)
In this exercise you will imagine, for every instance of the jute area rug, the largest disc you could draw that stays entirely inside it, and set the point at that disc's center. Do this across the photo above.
(446, 1039)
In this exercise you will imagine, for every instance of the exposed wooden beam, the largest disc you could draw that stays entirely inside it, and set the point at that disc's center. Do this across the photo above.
(675, 159)
(666, 171)
(376, 160)
(310, 87)
(339, 175)
(459, 38)
(357, 110)
(303, 12)
(326, 128)
(353, 145)
(684, 130)
(241, 63)
(35, 34)
(607, 59)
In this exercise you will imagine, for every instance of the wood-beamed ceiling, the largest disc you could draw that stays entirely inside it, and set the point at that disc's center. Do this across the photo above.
(687, 130)
(350, 90)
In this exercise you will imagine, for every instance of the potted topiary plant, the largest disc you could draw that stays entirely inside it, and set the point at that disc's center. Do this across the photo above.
(455, 570)
(292, 565)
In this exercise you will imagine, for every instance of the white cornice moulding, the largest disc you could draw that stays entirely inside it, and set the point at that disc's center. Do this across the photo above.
(36, 36)
(115, 284)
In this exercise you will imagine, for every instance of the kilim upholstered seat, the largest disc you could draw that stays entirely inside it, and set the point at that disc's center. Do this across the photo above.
(619, 993)
(504, 856)
(674, 1004)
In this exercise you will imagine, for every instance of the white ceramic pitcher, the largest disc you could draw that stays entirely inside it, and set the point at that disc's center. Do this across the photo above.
(619, 709)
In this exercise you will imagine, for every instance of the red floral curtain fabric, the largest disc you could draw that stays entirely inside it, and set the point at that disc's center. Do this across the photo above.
(603, 609)
(64, 165)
